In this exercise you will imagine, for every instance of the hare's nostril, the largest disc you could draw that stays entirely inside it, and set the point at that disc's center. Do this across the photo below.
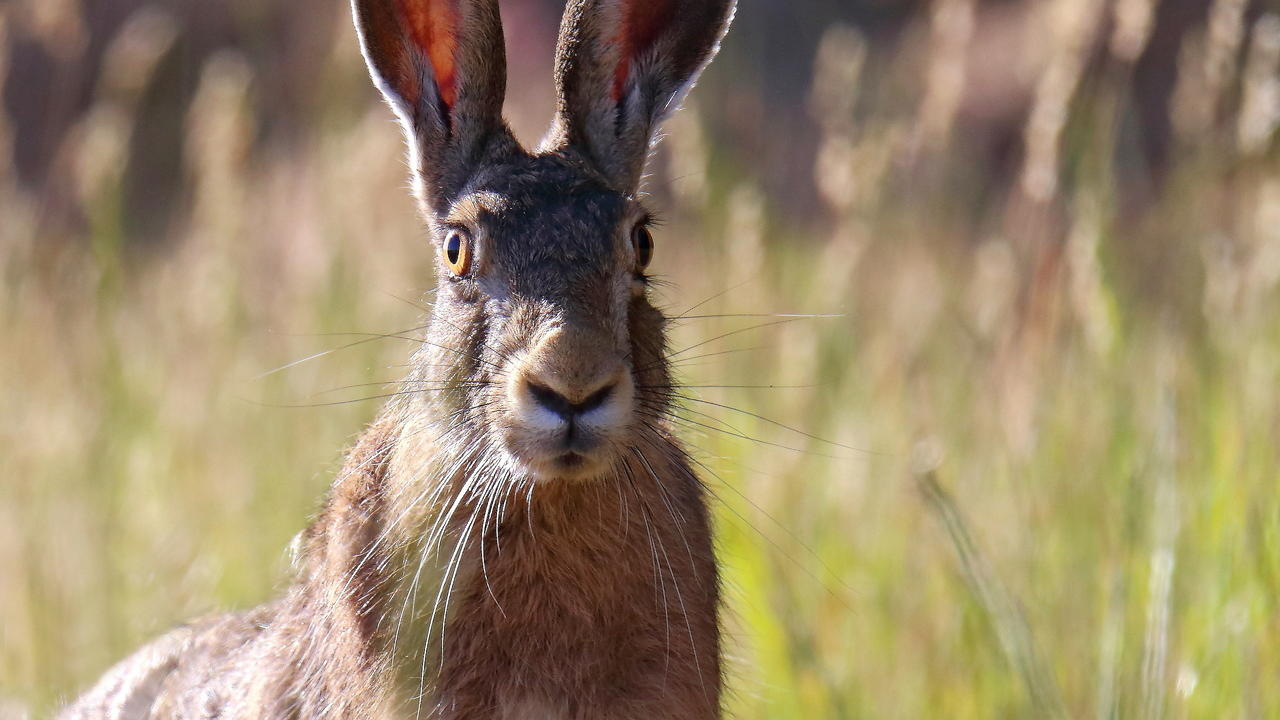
(550, 399)
(561, 405)
(596, 399)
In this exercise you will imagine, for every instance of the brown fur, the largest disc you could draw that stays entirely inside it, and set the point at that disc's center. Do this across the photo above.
(485, 554)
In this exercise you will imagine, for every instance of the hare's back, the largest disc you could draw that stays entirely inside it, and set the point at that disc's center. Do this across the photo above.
(165, 677)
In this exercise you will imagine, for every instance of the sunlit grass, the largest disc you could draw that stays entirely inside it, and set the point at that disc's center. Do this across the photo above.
(1046, 484)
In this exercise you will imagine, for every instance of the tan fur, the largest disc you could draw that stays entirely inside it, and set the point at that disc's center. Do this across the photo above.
(518, 535)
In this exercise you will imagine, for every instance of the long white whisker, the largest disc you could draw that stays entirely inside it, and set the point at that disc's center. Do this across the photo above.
(679, 525)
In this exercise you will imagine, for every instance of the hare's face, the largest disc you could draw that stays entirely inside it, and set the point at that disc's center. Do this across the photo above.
(542, 322)
(543, 347)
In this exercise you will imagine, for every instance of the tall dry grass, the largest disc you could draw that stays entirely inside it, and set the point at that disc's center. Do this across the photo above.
(1045, 484)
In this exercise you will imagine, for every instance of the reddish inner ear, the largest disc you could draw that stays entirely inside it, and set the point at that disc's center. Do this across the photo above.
(642, 22)
(433, 28)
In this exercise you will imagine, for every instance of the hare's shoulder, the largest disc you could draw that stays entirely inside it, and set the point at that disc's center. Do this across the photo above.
(129, 689)
(171, 675)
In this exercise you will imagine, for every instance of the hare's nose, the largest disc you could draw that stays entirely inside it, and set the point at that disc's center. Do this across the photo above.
(569, 381)
(560, 404)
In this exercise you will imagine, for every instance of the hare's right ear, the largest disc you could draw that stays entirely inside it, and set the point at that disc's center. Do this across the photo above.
(621, 67)
(441, 64)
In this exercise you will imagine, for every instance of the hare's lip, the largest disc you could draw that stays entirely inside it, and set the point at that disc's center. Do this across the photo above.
(570, 463)
(558, 454)
(564, 463)
(571, 460)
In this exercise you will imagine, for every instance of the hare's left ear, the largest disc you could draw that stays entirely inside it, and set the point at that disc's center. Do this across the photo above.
(442, 66)
(621, 67)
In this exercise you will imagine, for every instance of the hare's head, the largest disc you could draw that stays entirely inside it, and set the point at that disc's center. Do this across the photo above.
(542, 342)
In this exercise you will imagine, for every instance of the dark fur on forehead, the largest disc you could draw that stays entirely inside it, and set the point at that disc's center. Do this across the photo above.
(544, 214)
(530, 180)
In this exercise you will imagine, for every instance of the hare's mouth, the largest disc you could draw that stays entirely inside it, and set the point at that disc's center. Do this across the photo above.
(571, 460)
(561, 454)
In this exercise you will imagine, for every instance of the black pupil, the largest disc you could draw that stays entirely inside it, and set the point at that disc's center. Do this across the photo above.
(644, 246)
(453, 248)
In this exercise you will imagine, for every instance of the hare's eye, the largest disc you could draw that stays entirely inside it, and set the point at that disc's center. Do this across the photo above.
(456, 251)
(642, 240)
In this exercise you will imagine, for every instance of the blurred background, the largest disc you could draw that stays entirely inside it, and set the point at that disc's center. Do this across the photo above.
(1029, 469)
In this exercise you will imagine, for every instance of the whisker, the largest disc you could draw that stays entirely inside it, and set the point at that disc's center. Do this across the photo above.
(491, 496)
(731, 333)
(688, 361)
(683, 386)
(383, 396)
(657, 570)
(483, 343)
(768, 420)
(778, 548)
(796, 316)
(668, 410)
(441, 385)
(679, 525)
(411, 303)
(369, 337)
(460, 353)
(832, 574)
(718, 295)
(743, 436)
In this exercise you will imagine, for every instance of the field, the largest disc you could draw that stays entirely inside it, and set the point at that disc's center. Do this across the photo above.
(983, 444)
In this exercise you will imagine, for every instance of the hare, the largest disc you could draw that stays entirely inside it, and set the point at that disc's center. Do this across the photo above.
(518, 534)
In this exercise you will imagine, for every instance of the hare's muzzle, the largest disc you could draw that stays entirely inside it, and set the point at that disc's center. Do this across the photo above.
(570, 404)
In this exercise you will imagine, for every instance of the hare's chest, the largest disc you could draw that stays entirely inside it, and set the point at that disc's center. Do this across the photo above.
(518, 707)
(575, 615)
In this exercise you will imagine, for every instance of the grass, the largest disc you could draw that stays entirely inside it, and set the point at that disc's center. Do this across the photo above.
(1050, 486)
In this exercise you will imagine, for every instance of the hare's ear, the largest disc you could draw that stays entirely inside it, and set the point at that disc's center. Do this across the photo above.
(621, 67)
(442, 66)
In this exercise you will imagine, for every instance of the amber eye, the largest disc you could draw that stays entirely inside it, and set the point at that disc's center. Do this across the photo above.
(456, 251)
(642, 240)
